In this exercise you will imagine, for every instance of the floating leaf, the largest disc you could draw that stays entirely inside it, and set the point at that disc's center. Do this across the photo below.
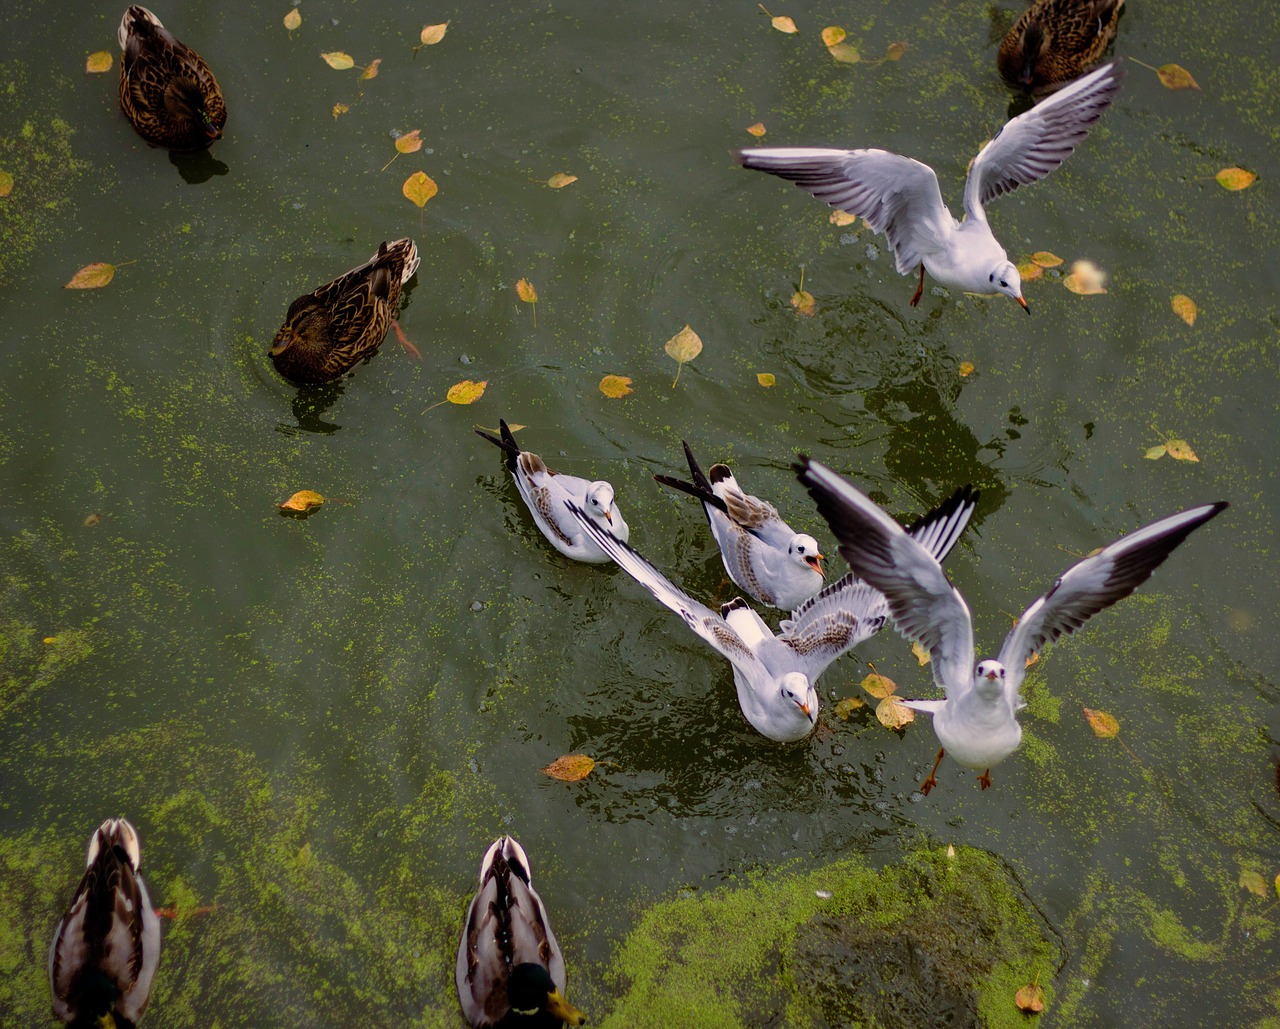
(419, 187)
(432, 34)
(1155, 453)
(1184, 307)
(802, 300)
(526, 292)
(1235, 179)
(338, 60)
(782, 23)
(615, 386)
(879, 686)
(410, 142)
(6, 183)
(1277, 884)
(832, 35)
(571, 767)
(292, 20)
(845, 53)
(757, 129)
(966, 369)
(765, 378)
(1254, 882)
(894, 714)
(50, 640)
(340, 109)
(1046, 259)
(98, 62)
(92, 276)
(1180, 450)
(91, 520)
(682, 347)
(842, 218)
(1030, 998)
(1086, 279)
(1174, 76)
(1031, 660)
(561, 179)
(1102, 724)
(951, 851)
(1029, 271)
(302, 502)
(895, 51)
(371, 72)
(844, 708)
(922, 655)
(466, 391)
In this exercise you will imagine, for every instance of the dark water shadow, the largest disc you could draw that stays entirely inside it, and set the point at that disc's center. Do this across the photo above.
(310, 404)
(198, 167)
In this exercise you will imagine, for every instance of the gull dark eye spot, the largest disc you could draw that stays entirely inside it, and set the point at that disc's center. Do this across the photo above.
(1004, 284)
(991, 277)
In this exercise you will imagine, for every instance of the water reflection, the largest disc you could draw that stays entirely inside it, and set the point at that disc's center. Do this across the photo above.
(198, 167)
(310, 403)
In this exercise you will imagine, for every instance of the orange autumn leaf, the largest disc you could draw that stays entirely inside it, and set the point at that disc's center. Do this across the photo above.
(1102, 724)
(966, 369)
(1046, 259)
(1030, 998)
(921, 655)
(561, 179)
(1235, 179)
(1184, 307)
(98, 62)
(371, 72)
(339, 109)
(571, 767)
(6, 183)
(842, 218)
(92, 276)
(419, 187)
(765, 379)
(802, 300)
(879, 686)
(1029, 271)
(466, 391)
(1180, 450)
(339, 61)
(615, 386)
(432, 34)
(526, 292)
(410, 142)
(1174, 76)
(893, 713)
(832, 35)
(292, 20)
(757, 129)
(302, 502)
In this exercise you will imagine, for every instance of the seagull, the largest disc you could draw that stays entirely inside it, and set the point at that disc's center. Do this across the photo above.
(545, 492)
(899, 196)
(977, 722)
(762, 554)
(774, 675)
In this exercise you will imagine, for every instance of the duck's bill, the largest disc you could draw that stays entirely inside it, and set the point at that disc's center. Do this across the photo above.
(563, 1010)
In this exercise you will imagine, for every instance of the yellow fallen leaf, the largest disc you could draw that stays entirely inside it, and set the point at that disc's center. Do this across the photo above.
(894, 714)
(844, 708)
(1235, 179)
(1086, 279)
(1174, 76)
(561, 179)
(951, 850)
(765, 378)
(1180, 450)
(339, 109)
(410, 142)
(684, 346)
(802, 300)
(1030, 998)
(921, 655)
(832, 35)
(432, 34)
(92, 276)
(51, 640)
(91, 520)
(895, 51)
(1155, 453)
(419, 187)
(1046, 259)
(757, 129)
(879, 686)
(338, 60)
(1031, 660)
(303, 501)
(571, 767)
(845, 53)
(1184, 307)
(6, 183)
(98, 62)
(1102, 724)
(966, 369)
(466, 391)
(1254, 882)
(371, 72)
(842, 218)
(783, 24)
(292, 20)
(1029, 271)
(615, 386)
(526, 292)
(1277, 884)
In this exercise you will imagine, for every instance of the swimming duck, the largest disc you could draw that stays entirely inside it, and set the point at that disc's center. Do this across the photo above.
(1055, 41)
(107, 946)
(329, 330)
(167, 91)
(510, 972)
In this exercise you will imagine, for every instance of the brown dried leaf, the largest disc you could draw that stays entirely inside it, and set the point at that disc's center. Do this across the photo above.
(802, 300)
(92, 276)
(845, 53)
(1174, 76)
(98, 62)
(526, 292)
(1180, 450)
(1102, 724)
(292, 20)
(1254, 882)
(419, 187)
(1046, 259)
(879, 686)
(832, 35)
(371, 72)
(615, 386)
(1184, 307)
(895, 51)
(466, 391)
(684, 346)
(844, 708)
(561, 179)
(765, 378)
(1235, 179)
(894, 714)
(410, 142)
(432, 34)
(1030, 998)
(571, 767)
(6, 183)
(757, 129)
(842, 218)
(338, 60)
(303, 501)
(966, 369)
(921, 655)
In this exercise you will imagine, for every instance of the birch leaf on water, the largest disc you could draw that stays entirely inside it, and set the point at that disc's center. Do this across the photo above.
(92, 276)
(98, 62)
(419, 187)
(683, 347)
(781, 23)
(1102, 724)
(338, 61)
(844, 708)
(561, 179)
(1180, 450)
(766, 379)
(302, 502)
(879, 686)
(466, 392)
(757, 129)
(894, 714)
(292, 20)
(1174, 76)
(432, 34)
(1235, 179)
(410, 142)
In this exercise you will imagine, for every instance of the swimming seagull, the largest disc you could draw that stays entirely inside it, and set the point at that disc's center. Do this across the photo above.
(545, 492)
(977, 722)
(774, 675)
(900, 197)
(762, 554)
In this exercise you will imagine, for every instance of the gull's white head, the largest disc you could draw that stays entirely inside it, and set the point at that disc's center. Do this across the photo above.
(804, 549)
(989, 678)
(798, 690)
(600, 501)
(1005, 279)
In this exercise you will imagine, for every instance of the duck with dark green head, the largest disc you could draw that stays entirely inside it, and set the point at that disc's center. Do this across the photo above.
(167, 91)
(510, 972)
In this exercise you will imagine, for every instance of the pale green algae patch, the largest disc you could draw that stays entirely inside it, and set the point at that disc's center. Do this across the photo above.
(900, 946)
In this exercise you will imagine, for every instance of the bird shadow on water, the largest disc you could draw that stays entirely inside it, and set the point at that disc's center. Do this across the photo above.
(310, 404)
(198, 167)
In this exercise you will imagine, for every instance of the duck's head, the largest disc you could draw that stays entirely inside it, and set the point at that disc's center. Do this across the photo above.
(112, 833)
(804, 549)
(1034, 43)
(1004, 278)
(530, 992)
(798, 690)
(184, 102)
(988, 679)
(600, 502)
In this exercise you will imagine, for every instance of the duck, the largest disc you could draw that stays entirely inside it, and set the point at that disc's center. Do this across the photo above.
(106, 947)
(1056, 41)
(331, 329)
(510, 972)
(167, 92)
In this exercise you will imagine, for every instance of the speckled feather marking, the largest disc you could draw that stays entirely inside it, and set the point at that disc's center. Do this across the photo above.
(1076, 33)
(530, 466)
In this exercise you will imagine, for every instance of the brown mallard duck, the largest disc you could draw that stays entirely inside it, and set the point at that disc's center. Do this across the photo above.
(328, 331)
(107, 946)
(167, 91)
(1055, 41)
(510, 972)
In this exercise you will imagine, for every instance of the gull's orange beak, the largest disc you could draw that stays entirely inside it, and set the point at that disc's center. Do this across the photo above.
(1023, 302)
(805, 708)
(815, 562)
(991, 675)
(608, 518)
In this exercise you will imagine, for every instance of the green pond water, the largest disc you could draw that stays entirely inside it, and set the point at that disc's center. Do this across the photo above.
(318, 725)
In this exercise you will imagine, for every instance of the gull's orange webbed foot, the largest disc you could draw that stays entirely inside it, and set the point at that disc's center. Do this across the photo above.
(932, 781)
(915, 299)
(985, 779)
